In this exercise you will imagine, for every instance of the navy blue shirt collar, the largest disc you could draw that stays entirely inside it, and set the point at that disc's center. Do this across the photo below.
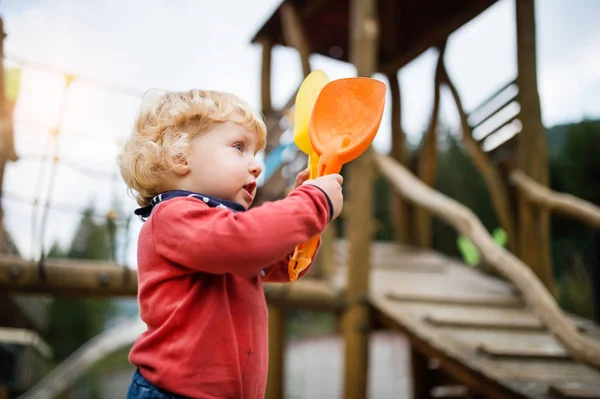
(213, 202)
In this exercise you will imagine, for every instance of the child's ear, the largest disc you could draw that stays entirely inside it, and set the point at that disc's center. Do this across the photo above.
(180, 164)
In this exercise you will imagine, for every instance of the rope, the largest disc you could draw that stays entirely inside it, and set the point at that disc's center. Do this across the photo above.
(90, 81)
(50, 161)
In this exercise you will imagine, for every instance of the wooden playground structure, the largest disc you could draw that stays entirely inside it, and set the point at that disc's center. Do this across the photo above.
(472, 333)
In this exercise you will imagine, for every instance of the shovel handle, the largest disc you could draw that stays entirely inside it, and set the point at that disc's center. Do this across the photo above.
(329, 164)
(313, 165)
(302, 257)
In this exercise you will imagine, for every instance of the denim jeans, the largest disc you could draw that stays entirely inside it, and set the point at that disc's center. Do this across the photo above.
(141, 388)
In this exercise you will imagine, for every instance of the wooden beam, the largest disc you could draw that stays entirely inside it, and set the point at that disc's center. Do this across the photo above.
(421, 374)
(64, 277)
(389, 21)
(265, 81)
(428, 159)
(294, 34)
(276, 377)
(532, 150)
(488, 171)
(532, 290)
(364, 28)
(437, 35)
(306, 293)
(5, 134)
(564, 204)
(81, 278)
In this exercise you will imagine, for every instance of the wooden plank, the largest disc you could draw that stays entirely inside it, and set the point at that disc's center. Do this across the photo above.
(454, 358)
(509, 121)
(507, 351)
(402, 263)
(477, 321)
(461, 298)
(574, 391)
(484, 105)
(493, 112)
(544, 371)
(391, 255)
(450, 392)
(410, 267)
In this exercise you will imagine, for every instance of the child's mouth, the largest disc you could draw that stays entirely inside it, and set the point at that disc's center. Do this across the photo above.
(250, 188)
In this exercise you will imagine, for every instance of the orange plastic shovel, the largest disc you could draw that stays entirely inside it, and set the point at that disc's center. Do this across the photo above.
(343, 123)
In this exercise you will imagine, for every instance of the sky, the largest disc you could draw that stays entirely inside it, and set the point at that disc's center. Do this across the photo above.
(206, 44)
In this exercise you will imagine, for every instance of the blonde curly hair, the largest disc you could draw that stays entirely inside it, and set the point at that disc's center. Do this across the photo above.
(164, 126)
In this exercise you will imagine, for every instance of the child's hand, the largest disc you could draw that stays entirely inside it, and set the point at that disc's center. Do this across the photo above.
(332, 185)
(301, 178)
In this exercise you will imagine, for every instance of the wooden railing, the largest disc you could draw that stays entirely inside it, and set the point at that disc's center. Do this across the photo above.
(564, 204)
(464, 220)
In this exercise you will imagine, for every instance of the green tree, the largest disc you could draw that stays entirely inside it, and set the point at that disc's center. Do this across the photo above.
(72, 322)
(576, 246)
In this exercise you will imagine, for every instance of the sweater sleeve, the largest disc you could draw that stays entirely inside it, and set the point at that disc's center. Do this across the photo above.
(192, 235)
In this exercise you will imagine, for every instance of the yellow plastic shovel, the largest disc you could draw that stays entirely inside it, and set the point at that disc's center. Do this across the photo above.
(305, 100)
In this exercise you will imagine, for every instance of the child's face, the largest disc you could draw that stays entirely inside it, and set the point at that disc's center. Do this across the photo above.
(222, 163)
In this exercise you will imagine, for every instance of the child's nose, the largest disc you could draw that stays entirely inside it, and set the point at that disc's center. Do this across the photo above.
(255, 168)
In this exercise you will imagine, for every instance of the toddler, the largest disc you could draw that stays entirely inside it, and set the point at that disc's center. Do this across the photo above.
(203, 255)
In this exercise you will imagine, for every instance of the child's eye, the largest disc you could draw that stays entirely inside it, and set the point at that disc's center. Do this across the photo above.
(238, 147)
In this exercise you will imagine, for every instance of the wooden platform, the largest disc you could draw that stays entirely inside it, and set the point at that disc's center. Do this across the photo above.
(474, 324)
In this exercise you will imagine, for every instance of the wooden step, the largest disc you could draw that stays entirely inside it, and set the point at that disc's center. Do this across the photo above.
(450, 392)
(574, 391)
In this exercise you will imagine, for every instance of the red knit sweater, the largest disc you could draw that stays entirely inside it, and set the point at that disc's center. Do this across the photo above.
(200, 290)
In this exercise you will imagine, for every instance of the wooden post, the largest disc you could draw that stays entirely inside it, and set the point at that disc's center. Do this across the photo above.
(399, 206)
(532, 153)
(427, 160)
(276, 378)
(326, 266)
(421, 375)
(355, 319)
(4, 134)
(294, 34)
(265, 76)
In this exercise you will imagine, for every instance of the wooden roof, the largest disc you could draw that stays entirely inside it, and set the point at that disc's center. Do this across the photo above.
(408, 27)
